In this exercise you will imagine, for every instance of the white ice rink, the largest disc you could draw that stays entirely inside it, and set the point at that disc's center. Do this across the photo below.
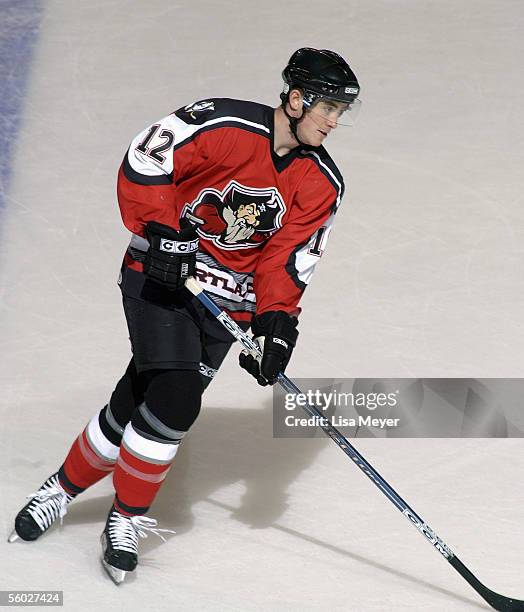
(423, 277)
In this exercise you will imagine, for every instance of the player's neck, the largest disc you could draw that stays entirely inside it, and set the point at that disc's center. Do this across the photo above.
(283, 140)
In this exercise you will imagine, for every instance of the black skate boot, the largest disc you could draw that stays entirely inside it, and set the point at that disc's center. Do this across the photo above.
(120, 542)
(46, 505)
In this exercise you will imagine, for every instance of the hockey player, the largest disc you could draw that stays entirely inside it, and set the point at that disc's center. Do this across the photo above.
(242, 196)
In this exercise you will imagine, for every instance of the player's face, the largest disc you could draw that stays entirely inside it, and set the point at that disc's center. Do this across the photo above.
(319, 120)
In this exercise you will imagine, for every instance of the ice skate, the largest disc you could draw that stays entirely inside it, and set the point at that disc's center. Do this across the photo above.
(120, 542)
(46, 505)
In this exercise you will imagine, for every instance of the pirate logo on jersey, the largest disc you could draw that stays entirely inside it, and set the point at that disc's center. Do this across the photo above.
(237, 217)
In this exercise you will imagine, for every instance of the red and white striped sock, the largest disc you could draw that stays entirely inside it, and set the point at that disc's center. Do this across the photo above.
(140, 470)
(91, 457)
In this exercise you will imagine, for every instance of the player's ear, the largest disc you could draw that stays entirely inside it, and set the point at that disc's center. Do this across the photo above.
(295, 99)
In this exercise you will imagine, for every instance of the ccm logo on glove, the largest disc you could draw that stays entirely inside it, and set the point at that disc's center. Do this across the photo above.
(170, 246)
(276, 334)
(171, 257)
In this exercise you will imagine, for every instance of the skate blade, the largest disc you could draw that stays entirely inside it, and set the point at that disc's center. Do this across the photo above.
(116, 575)
(13, 537)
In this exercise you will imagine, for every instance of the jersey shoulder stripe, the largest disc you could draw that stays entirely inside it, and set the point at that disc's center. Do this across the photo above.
(216, 113)
(149, 159)
(216, 109)
(329, 169)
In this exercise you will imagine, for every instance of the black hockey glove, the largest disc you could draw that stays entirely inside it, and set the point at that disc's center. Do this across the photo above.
(171, 257)
(276, 334)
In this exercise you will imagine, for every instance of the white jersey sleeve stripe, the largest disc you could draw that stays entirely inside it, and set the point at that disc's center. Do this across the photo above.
(303, 260)
(333, 177)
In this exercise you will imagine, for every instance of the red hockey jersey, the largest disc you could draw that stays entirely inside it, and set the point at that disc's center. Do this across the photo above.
(263, 220)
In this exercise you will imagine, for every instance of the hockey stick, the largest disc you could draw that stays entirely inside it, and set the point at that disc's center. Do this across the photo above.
(495, 600)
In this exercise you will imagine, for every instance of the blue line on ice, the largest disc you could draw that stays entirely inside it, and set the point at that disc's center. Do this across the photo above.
(19, 26)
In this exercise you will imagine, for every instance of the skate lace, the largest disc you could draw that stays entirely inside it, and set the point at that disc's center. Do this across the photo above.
(124, 531)
(49, 502)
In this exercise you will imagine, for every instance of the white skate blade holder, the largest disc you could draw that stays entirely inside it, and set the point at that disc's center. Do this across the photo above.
(13, 537)
(116, 575)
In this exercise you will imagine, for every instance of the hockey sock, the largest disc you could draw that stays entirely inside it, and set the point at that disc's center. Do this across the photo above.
(128, 394)
(93, 454)
(152, 438)
(141, 468)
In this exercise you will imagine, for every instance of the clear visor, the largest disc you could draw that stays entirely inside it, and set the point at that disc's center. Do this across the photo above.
(335, 113)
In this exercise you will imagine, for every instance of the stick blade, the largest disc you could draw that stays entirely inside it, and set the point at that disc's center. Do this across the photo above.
(505, 604)
(495, 600)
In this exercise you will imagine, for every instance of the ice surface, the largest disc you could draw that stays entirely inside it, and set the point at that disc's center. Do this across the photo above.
(422, 277)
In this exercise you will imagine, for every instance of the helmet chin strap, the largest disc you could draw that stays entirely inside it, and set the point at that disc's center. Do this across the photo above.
(293, 123)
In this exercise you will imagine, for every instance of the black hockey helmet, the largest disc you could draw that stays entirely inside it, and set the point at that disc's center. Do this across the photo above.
(320, 73)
